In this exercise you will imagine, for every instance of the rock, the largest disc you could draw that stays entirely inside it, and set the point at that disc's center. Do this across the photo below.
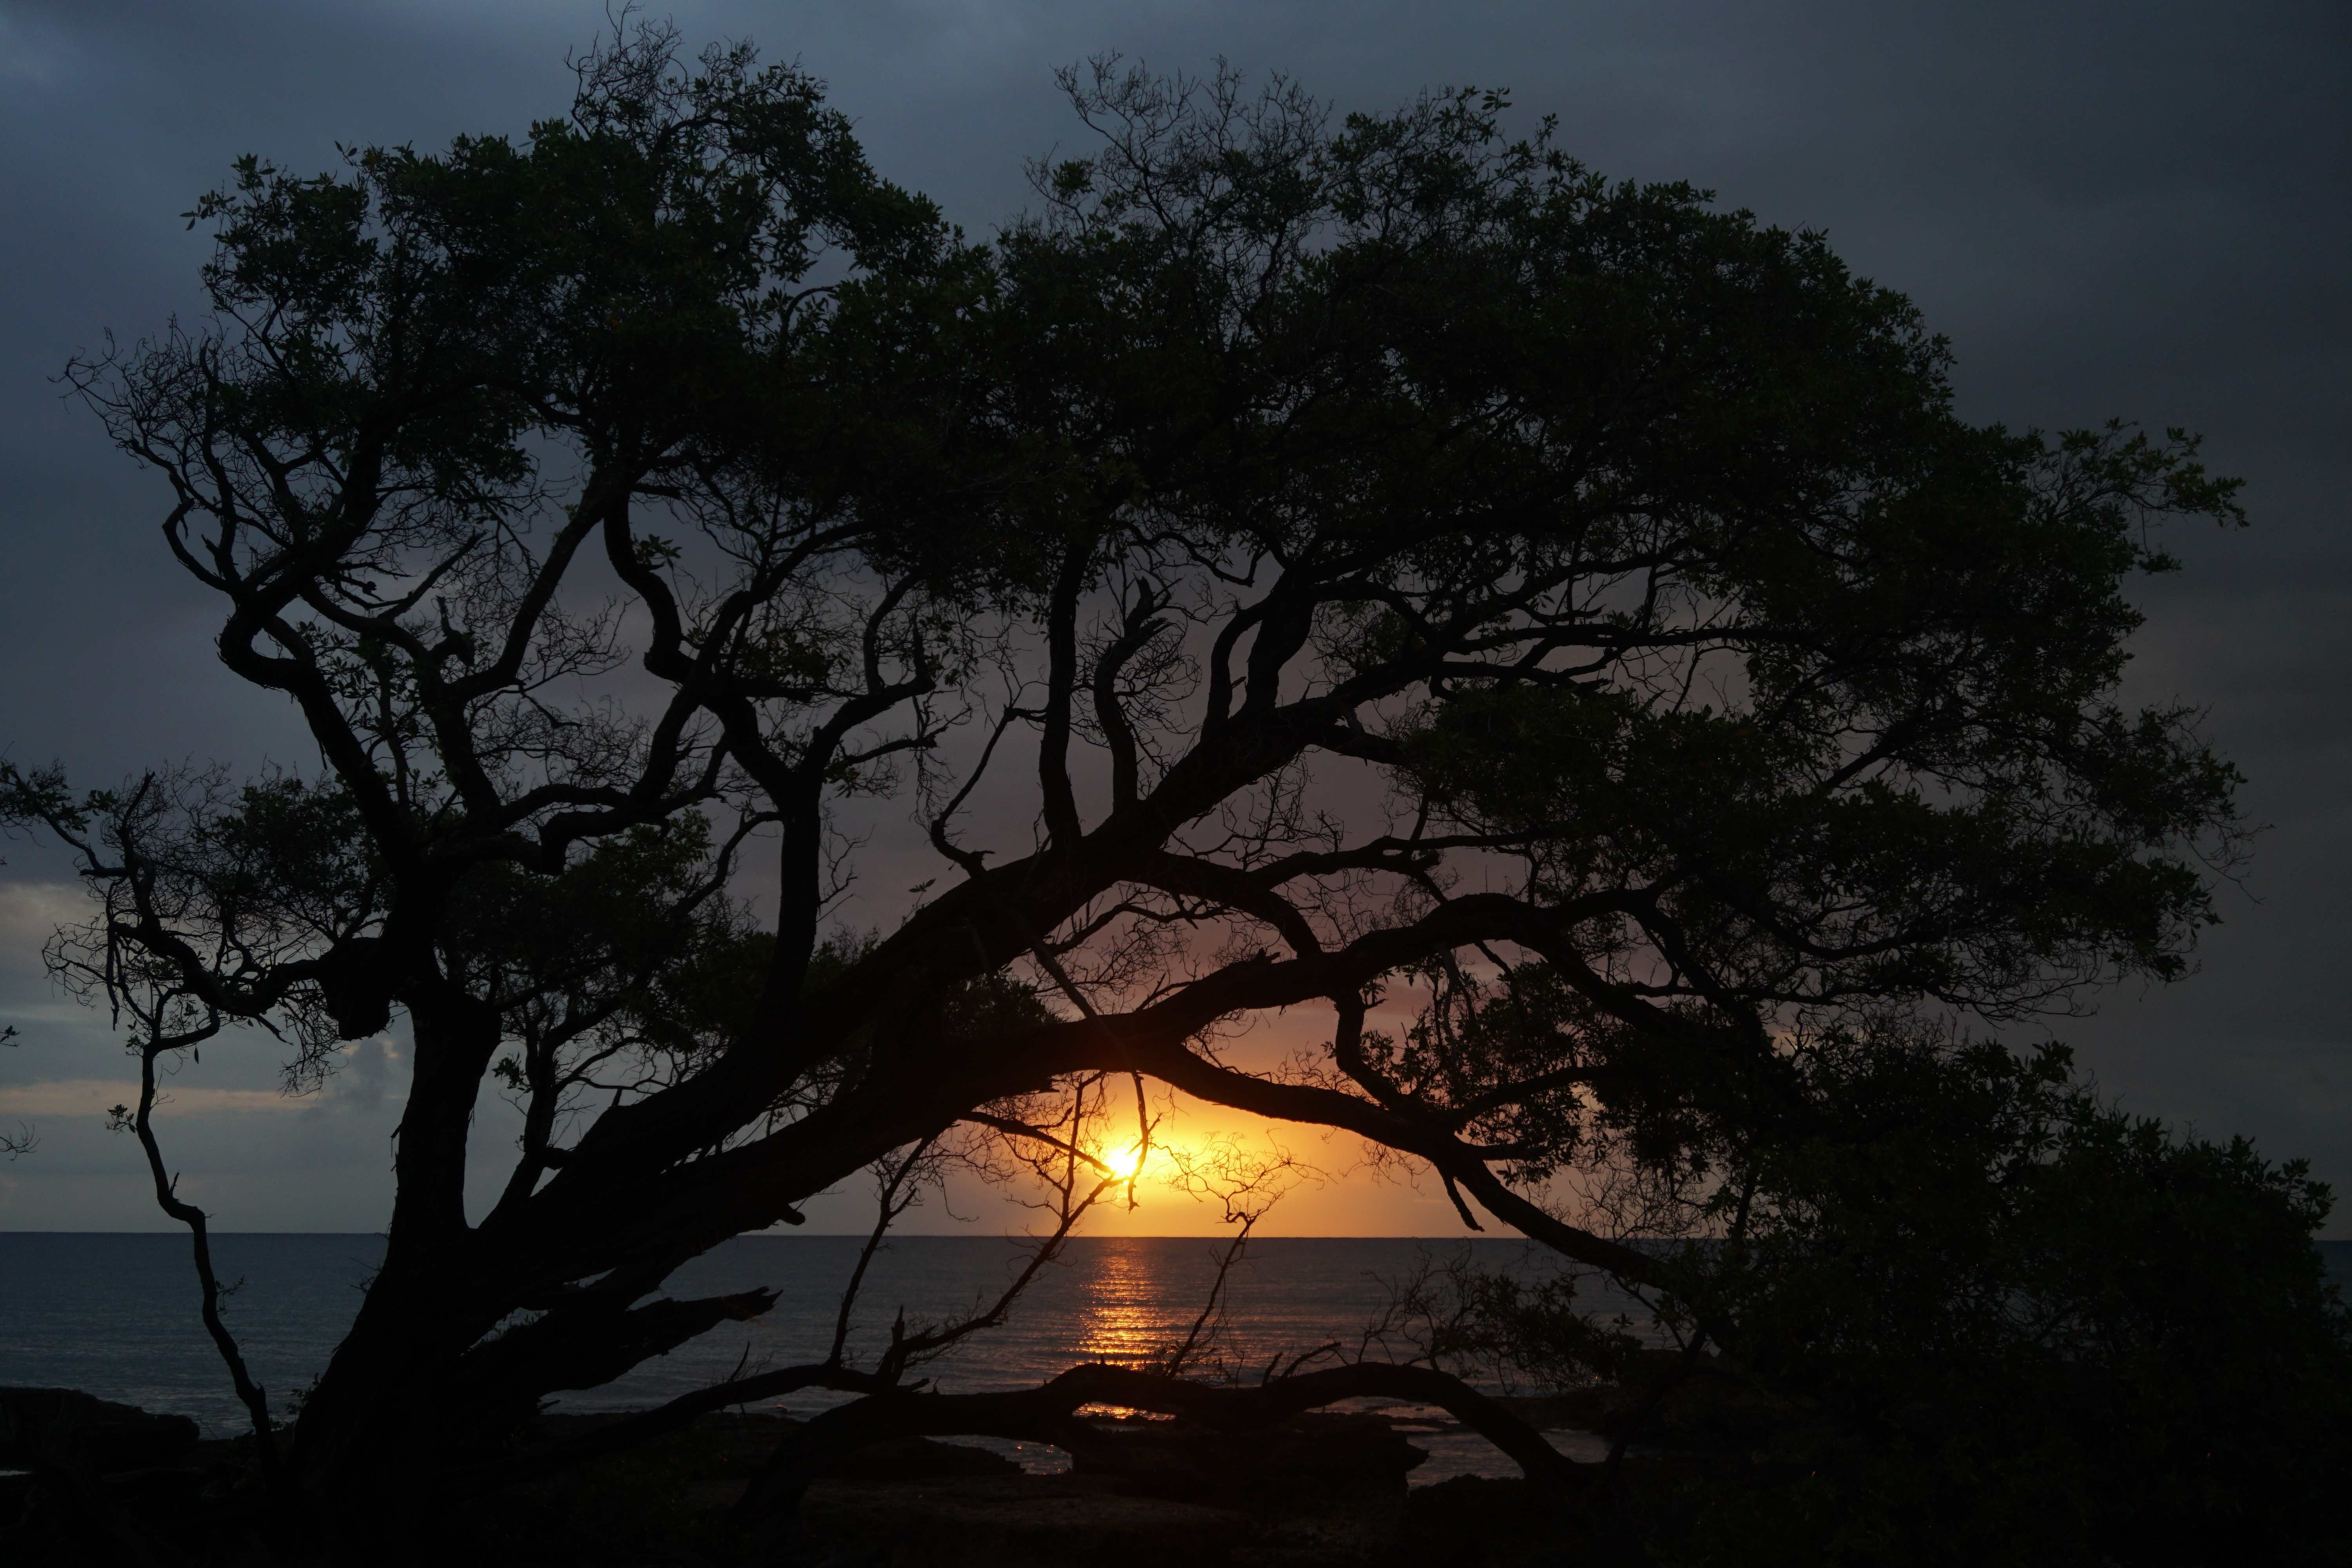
(64, 1425)
(1318, 1457)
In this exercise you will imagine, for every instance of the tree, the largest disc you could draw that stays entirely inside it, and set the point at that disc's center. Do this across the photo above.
(1297, 558)
(2032, 1328)
(1962, 1311)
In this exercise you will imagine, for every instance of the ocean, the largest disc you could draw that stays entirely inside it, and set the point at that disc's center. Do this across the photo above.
(115, 1315)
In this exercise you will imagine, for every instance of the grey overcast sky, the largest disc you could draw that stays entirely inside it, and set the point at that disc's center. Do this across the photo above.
(2136, 209)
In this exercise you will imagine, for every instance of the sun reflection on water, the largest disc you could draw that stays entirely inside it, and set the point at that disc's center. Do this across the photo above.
(1124, 1315)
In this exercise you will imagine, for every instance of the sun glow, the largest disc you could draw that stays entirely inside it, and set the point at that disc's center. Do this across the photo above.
(1127, 1164)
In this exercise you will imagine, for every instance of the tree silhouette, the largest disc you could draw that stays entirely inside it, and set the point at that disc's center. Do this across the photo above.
(1300, 557)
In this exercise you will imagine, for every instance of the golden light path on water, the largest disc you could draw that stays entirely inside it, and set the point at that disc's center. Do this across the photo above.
(1126, 1315)
(1137, 1297)
(1129, 1310)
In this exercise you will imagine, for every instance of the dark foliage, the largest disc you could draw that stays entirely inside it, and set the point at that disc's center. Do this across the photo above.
(1972, 1315)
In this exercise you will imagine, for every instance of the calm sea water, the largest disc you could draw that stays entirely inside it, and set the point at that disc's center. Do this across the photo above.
(116, 1314)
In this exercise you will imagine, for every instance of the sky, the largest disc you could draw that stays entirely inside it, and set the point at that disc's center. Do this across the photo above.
(2137, 210)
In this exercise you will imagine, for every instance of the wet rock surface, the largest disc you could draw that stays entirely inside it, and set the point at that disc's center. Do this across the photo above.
(64, 1425)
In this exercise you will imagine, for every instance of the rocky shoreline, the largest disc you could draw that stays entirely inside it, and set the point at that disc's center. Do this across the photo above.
(1327, 1490)
(1319, 1491)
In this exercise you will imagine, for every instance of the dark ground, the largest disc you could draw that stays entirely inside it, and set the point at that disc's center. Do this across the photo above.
(1325, 1491)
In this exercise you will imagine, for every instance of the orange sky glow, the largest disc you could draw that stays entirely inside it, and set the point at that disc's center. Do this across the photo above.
(1332, 1186)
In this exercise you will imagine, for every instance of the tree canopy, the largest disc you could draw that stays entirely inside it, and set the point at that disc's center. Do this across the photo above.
(1302, 556)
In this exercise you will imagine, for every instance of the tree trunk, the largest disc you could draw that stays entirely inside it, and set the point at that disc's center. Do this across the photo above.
(388, 1407)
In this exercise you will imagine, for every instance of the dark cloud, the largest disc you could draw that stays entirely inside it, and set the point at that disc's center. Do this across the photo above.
(2111, 209)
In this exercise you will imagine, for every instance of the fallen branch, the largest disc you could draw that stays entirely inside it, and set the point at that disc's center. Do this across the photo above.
(1049, 1414)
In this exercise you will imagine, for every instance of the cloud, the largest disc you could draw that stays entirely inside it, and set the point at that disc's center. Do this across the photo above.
(360, 1082)
(94, 1096)
(29, 912)
(364, 1083)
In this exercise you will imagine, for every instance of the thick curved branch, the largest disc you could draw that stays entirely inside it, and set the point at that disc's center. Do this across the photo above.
(1190, 878)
